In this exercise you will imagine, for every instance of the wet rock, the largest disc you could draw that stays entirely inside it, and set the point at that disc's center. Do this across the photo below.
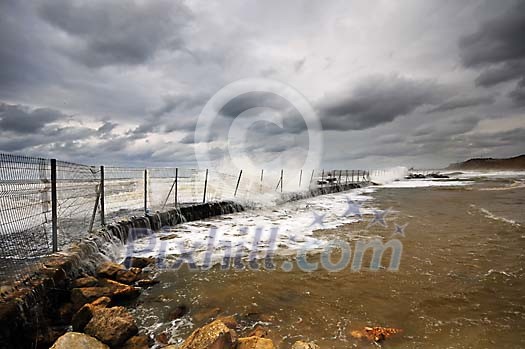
(120, 291)
(162, 338)
(78, 341)
(259, 331)
(82, 317)
(88, 281)
(215, 335)
(178, 312)
(101, 302)
(206, 314)
(128, 276)
(136, 342)
(84, 314)
(255, 343)
(109, 270)
(81, 296)
(147, 282)
(305, 345)
(375, 334)
(113, 326)
(138, 262)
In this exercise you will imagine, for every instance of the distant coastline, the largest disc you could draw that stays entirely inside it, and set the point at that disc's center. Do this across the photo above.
(514, 163)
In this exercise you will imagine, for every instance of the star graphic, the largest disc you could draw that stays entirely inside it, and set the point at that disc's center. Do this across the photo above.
(353, 209)
(318, 219)
(379, 218)
(400, 229)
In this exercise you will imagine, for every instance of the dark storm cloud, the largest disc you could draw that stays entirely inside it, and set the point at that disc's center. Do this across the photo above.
(255, 99)
(504, 72)
(19, 119)
(117, 32)
(378, 100)
(498, 40)
(499, 48)
(458, 103)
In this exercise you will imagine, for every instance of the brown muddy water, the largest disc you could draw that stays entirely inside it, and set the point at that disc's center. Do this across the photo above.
(460, 283)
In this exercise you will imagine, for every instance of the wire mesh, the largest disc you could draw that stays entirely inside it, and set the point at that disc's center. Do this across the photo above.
(25, 215)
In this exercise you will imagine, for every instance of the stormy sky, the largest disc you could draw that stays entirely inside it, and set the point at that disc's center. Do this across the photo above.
(414, 83)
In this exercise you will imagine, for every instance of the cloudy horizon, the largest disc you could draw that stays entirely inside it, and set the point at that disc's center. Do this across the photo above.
(408, 83)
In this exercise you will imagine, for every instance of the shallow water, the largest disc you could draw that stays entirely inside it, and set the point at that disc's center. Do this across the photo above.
(460, 283)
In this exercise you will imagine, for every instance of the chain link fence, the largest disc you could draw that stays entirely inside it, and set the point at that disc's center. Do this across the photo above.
(47, 204)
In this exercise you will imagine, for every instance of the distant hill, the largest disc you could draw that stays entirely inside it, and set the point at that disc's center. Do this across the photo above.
(515, 163)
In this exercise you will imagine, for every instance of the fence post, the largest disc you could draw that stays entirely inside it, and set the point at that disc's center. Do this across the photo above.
(312, 177)
(238, 181)
(54, 217)
(352, 176)
(205, 185)
(339, 180)
(300, 178)
(145, 191)
(261, 185)
(176, 184)
(358, 179)
(322, 178)
(102, 199)
(281, 180)
(346, 177)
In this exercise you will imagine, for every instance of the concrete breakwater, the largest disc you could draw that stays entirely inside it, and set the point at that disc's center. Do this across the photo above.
(30, 311)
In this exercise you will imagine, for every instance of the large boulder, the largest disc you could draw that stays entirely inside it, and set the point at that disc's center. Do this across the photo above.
(120, 291)
(128, 276)
(109, 269)
(138, 262)
(84, 314)
(87, 281)
(113, 326)
(305, 345)
(83, 295)
(215, 335)
(78, 341)
(255, 343)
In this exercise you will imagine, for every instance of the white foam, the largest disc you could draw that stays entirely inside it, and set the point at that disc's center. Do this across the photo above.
(294, 221)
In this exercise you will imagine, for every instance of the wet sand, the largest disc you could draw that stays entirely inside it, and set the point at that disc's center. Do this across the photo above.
(460, 283)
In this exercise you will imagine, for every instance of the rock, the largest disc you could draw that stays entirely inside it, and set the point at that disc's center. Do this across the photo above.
(88, 281)
(127, 276)
(147, 282)
(375, 334)
(78, 341)
(138, 262)
(81, 296)
(178, 312)
(255, 343)
(136, 342)
(84, 314)
(163, 338)
(120, 291)
(101, 302)
(258, 331)
(206, 314)
(305, 345)
(82, 317)
(109, 269)
(215, 335)
(113, 326)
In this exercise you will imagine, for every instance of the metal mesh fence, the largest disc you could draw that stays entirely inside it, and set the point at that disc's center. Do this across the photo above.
(47, 204)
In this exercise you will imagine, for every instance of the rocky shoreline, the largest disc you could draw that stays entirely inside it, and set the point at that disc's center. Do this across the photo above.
(97, 315)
